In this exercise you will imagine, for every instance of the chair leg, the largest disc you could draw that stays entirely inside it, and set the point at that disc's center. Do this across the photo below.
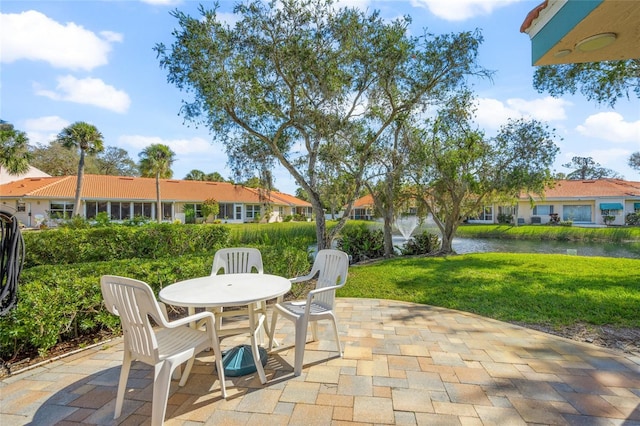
(314, 331)
(335, 330)
(161, 385)
(187, 370)
(301, 340)
(122, 383)
(274, 320)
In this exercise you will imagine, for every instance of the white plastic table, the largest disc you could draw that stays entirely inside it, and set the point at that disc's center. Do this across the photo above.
(215, 291)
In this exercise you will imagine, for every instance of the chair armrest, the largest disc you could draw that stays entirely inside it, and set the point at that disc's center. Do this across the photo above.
(313, 293)
(191, 318)
(301, 279)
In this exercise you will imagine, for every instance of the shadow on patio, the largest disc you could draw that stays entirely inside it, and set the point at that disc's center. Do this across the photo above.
(404, 364)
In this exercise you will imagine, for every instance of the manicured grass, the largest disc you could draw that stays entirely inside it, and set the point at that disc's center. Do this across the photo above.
(551, 290)
(551, 232)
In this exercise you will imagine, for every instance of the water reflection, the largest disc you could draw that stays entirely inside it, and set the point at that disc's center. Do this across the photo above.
(484, 245)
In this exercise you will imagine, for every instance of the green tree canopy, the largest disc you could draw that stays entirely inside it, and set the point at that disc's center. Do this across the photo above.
(115, 161)
(457, 170)
(293, 77)
(603, 82)
(156, 161)
(587, 168)
(14, 149)
(83, 138)
(634, 160)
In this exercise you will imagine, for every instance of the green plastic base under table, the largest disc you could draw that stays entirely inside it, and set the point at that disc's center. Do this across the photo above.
(238, 361)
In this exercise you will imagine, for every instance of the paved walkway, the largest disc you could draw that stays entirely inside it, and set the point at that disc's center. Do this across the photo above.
(404, 364)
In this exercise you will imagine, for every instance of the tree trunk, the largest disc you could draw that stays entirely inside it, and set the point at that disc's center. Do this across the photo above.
(324, 241)
(158, 203)
(76, 203)
(447, 237)
(388, 232)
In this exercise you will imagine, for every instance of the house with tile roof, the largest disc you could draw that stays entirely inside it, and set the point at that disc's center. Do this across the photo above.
(36, 199)
(584, 202)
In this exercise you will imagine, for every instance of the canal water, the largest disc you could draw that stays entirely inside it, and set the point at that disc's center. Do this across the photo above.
(485, 245)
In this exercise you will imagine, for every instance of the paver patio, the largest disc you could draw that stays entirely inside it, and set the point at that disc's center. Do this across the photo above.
(404, 364)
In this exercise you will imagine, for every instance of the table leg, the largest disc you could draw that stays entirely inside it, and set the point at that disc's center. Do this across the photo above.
(253, 327)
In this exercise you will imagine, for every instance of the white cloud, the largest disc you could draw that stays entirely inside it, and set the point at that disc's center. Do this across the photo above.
(460, 10)
(36, 37)
(492, 113)
(179, 146)
(90, 91)
(359, 4)
(43, 130)
(612, 127)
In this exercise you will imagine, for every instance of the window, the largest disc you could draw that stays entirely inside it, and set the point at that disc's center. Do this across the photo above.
(142, 210)
(542, 210)
(166, 211)
(238, 208)
(21, 206)
(120, 211)
(576, 213)
(95, 207)
(253, 211)
(610, 212)
(61, 210)
(226, 211)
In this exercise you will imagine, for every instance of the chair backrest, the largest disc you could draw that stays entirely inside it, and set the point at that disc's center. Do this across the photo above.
(332, 267)
(237, 260)
(134, 302)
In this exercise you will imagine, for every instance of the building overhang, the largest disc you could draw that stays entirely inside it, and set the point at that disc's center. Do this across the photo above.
(577, 31)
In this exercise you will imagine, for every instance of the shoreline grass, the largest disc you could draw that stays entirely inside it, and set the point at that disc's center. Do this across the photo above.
(613, 234)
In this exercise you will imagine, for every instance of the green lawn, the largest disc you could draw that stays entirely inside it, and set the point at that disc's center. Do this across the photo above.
(552, 290)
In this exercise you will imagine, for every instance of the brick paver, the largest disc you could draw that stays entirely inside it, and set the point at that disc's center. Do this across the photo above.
(404, 364)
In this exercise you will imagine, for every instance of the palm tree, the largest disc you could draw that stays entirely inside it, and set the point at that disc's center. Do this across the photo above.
(195, 174)
(14, 153)
(156, 160)
(86, 139)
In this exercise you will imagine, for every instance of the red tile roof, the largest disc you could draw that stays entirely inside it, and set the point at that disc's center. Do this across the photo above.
(567, 189)
(102, 187)
(593, 188)
(533, 15)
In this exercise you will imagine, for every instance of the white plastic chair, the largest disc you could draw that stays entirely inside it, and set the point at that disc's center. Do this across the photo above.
(331, 267)
(164, 347)
(237, 260)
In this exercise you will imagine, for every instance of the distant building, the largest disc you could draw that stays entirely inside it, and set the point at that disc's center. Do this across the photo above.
(5, 177)
(584, 202)
(38, 199)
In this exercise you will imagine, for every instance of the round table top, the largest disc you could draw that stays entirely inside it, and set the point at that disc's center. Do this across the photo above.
(225, 290)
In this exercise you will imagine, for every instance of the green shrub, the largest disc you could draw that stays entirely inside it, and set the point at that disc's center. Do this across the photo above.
(361, 243)
(632, 219)
(505, 218)
(60, 302)
(424, 243)
(151, 241)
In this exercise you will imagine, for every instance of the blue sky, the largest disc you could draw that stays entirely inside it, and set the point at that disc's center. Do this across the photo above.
(93, 61)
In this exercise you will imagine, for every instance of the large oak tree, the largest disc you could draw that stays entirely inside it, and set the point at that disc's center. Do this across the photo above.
(298, 81)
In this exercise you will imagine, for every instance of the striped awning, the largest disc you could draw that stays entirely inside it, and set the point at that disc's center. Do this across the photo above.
(610, 206)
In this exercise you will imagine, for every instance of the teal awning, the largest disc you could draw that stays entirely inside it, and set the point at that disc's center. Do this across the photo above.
(610, 206)
(636, 206)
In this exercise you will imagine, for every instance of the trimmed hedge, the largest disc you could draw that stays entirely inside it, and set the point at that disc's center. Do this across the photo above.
(57, 303)
(151, 241)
